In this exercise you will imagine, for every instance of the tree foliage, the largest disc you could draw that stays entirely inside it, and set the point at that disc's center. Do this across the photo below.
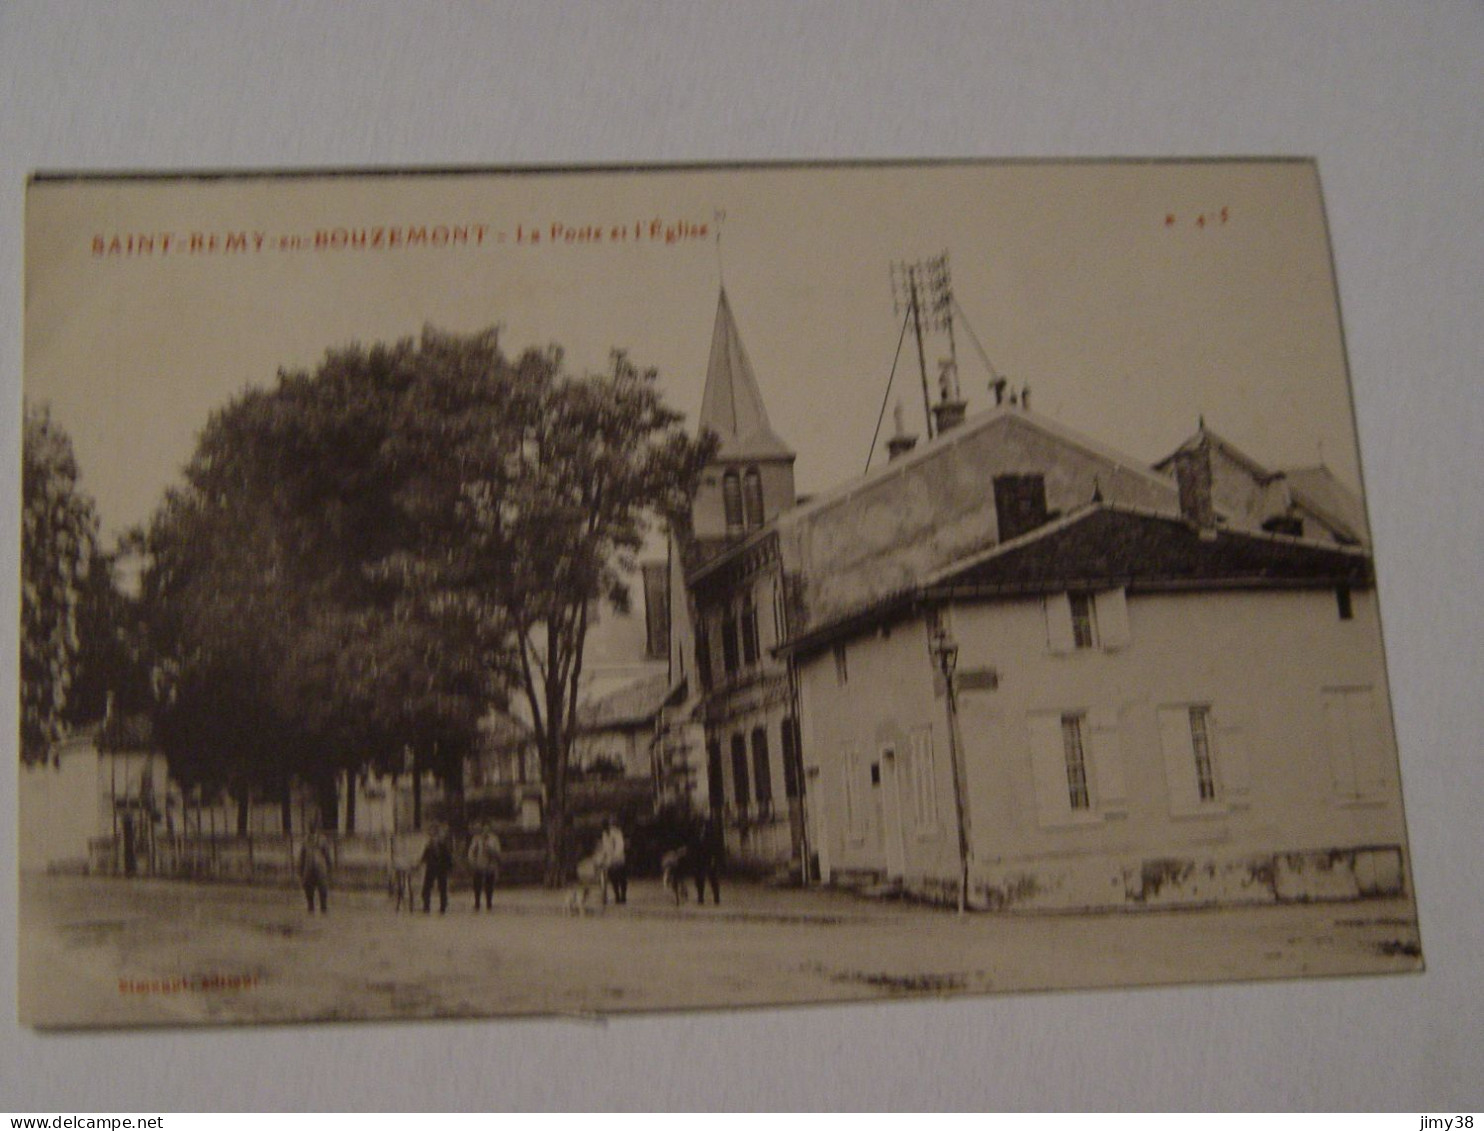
(366, 558)
(59, 538)
(549, 521)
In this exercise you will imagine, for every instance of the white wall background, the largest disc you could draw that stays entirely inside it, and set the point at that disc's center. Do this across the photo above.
(1391, 100)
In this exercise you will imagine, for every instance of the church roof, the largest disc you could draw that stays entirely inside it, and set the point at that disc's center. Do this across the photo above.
(732, 405)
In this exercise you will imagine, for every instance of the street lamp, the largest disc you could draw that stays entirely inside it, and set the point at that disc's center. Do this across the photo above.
(944, 651)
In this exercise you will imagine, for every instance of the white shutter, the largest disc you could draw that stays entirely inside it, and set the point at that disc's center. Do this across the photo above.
(1109, 791)
(1049, 770)
(924, 779)
(1367, 741)
(1179, 756)
(1112, 617)
(1232, 767)
(1059, 624)
(1337, 739)
(854, 813)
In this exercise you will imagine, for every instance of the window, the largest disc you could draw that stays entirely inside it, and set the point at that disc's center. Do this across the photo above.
(752, 498)
(739, 772)
(749, 631)
(731, 497)
(703, 657)
(1343, 602)
(1200, 742)
(714, 785)
(1205, 760)
(1076, 766)
(778, 619)
(924, 779)
(1074, 754)
(1084, 627)
(729, 645)
(1084, 622)
(791, 775)
(1356, 741)
(842, 671)
(762, 772)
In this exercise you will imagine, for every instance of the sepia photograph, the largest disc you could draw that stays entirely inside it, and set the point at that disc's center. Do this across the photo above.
(587, 591)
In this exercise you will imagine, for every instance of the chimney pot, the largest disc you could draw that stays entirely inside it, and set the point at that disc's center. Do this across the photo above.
(900, 443)
(949, 414)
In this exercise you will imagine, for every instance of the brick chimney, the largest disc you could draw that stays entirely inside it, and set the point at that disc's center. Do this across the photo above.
(948, 413)
(1193, 473)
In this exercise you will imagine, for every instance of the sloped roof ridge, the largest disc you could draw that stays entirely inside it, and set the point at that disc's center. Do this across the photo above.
(1085, 512)
(971, 427)
(1226, 446)
(1299, 485)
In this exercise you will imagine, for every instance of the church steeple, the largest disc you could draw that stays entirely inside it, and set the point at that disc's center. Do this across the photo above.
(732, 405)
(751, 477)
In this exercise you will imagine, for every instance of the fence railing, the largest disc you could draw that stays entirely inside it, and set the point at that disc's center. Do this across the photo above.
(358, 860)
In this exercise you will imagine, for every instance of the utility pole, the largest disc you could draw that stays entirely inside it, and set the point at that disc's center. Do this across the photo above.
(944, 651)
(913, 284)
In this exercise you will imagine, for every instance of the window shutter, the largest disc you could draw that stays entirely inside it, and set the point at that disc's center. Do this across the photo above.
(1109, 791)
(1366, 741)
(854, 814)
(924, 779)
(1179, 756)
(1059, 624)
(1337, 738)
(1049, 771)
(1112, 615)
(1232, 767)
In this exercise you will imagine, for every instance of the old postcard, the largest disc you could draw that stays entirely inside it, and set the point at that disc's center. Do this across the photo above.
(488, 593)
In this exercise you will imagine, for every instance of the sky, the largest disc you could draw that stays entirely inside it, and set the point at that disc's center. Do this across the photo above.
(1133, 298)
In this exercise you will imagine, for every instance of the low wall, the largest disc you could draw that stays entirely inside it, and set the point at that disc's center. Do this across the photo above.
(1339, 874)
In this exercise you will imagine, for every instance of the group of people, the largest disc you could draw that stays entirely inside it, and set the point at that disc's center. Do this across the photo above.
(313, 866)
(484, 866)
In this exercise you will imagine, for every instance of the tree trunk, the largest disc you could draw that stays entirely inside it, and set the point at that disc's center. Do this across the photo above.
(243, 808)
(556, 814)
(327, 801)
(350, 801)
(286, 808)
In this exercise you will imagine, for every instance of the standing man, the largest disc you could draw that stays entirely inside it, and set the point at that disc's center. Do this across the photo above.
(611, 853)
(314, 869)
(484, 862)
(437, 862)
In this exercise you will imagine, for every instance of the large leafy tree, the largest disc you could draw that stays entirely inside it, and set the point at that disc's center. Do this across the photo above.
(365, 559)
(549, 525)
(285, 649)
(112, 680)
(59, 538)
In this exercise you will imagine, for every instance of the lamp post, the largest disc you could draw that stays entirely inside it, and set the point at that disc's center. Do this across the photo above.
(945, 654)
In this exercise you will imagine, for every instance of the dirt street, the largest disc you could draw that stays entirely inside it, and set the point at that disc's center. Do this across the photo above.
(141, 952)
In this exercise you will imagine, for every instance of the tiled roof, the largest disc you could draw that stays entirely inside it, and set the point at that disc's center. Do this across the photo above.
(639, 702)
(1110, 545)
(1318, 489)
(1107, 546)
